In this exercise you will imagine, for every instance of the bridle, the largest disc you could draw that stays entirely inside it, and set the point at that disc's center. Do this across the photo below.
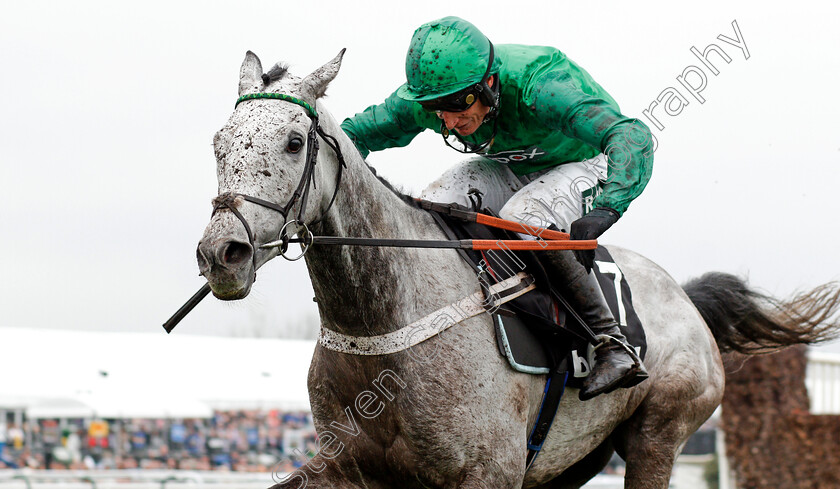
(553, 239)
(301, 194)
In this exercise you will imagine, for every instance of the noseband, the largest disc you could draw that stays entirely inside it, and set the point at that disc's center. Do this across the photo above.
(301, 194)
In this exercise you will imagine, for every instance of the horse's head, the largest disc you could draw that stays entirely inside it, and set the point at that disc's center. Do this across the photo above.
(264, 173)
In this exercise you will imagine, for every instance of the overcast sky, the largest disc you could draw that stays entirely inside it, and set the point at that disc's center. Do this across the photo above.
(109, 110)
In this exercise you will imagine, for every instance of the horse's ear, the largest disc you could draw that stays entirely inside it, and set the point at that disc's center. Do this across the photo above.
(315, 84)
(250, 74)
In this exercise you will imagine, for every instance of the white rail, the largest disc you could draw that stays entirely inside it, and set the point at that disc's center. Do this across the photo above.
(822, 379)
(133, 479)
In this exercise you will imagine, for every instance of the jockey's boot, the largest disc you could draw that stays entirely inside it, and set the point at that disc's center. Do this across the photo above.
(616, 362)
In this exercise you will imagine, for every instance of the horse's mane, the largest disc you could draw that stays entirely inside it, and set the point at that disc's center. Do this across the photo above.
(278, 71)
(399, 193)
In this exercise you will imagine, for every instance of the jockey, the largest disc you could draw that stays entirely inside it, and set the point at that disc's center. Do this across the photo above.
(551, 148)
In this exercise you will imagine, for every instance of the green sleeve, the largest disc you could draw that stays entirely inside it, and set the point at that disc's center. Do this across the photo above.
(561, 104)
(393, 123)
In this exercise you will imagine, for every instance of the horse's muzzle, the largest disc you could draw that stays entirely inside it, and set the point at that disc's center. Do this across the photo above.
(227, 264)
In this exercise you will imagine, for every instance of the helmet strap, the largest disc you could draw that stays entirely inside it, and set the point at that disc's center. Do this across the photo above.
(488, 95)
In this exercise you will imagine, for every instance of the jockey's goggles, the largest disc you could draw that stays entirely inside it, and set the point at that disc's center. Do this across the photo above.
(457, 102)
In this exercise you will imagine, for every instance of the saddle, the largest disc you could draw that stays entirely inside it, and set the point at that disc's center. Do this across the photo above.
(538, 333)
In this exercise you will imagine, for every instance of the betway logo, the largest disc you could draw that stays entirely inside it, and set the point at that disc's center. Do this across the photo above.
(516, 155)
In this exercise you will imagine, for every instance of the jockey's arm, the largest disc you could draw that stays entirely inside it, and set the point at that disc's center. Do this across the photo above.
(390, 124)
(626, 142)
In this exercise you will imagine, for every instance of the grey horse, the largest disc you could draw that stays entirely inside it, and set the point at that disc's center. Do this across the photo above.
(448, 412)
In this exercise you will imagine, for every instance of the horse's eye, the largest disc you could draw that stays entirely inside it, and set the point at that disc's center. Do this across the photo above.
(294, 145)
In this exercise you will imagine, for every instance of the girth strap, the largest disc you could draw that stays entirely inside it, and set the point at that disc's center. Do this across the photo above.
(554, 388)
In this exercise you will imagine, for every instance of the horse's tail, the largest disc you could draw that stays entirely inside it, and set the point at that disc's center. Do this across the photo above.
(744, 320)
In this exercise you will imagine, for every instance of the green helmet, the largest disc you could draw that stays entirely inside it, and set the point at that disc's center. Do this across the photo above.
(446, 56)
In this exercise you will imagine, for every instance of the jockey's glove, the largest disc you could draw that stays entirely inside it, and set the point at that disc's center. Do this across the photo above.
(591, 226)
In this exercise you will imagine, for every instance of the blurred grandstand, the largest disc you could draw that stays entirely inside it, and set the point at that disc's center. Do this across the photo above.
(149, 410)
(82, 400)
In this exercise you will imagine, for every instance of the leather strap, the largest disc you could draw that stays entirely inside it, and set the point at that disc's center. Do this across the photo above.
(431, 324)
(466, 244)
(554, 388)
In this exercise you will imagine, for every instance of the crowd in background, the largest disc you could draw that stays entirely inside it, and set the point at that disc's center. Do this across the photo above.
(254, 441)
(248, 441)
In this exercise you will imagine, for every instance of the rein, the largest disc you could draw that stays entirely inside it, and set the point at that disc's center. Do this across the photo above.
(556, 239)
(545, 239)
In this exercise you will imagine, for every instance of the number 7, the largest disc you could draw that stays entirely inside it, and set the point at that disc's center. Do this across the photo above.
(608, 268)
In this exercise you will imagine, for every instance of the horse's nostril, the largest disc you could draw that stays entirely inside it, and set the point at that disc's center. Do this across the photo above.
(236, 253)
(203, 265)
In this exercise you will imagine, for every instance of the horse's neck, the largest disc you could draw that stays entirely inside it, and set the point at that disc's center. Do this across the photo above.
(375, 290)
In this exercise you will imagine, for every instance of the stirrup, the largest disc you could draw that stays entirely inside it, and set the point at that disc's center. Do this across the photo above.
(605, 339)
(635, 374)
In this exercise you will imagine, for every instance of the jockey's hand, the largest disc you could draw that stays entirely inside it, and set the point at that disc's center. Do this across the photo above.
(591, 226)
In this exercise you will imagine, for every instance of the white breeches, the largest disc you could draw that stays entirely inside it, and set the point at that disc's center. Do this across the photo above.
(557, 195)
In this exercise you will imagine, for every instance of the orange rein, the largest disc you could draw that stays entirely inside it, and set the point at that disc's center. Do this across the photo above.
(534, 245)
(546, 239)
